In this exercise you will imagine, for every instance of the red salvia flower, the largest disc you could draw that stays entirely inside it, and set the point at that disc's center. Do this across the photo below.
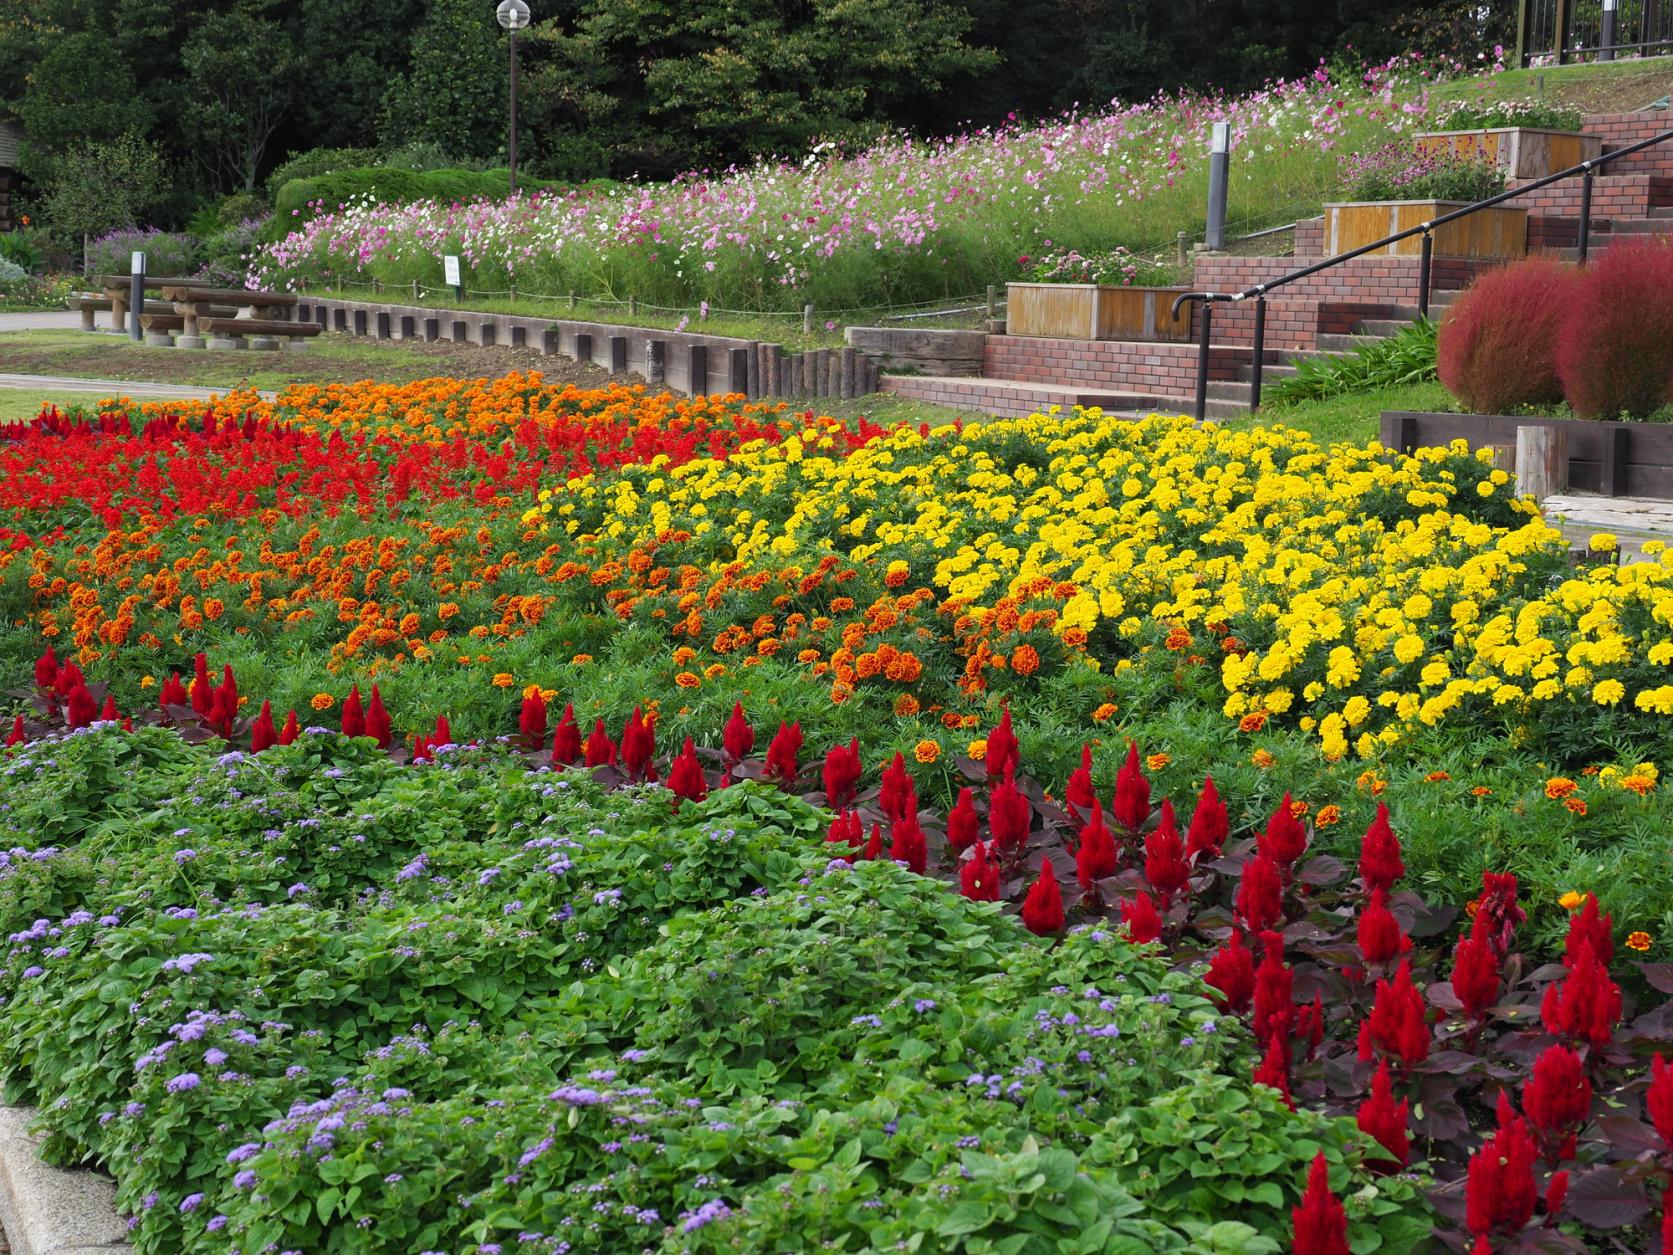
(1398, 1026)
(1009, 815)
(1556, 1194)
(1274, 989)
(69, 675)
(906, 843)
(1321, 1222)
(1079, 793)
(202, 695)
(1042, 910)
(1002, 748)
(1141, 919)
(263, 735)
(377, 720)
(1380, 935)
(1231, 970)
(566, 739)
(1209, 824)
(1498, 903)
(15, 737)
(172, 693)
(897, 783)
(1274, 1068)
(531, 721)
(638, 747)
(685, 775)
(1132, 793)
(963, 825)
(78, 707)
(1384, 1120)
(1164, 857)
(847, 829)
(443, 734)
(600, 748)
(1475, 970)
(1260, 894)
(1284, 839)
(874, 847)
(1658, 1101)
(1097, 856)
(291, 730)
(1557, 1099)
(1585, 1005)
(783, 752)
(108, 713)
(1380, 864)
(1499, 1193)
(841, 773)
(1594, 929)
(354, 714)
(46, 669)
(737, 738)
(978, 879)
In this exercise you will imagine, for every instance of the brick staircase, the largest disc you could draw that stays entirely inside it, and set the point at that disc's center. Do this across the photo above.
(1334, 312)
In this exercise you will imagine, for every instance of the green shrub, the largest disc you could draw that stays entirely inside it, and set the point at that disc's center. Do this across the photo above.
(1483, 115)
(1398, 172)
(317, 161)
(390, 185)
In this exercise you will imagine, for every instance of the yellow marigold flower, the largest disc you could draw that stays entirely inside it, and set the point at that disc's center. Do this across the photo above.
(147, 681)
(1155, 762)
(504, 679)
(926, 751)
(1559, 786)
(1572, 901)
(1262, 759)
(322, 701)
(1328, 815)
(1638, 940)
(977, 749)
(1603, 542)
(1608, 692)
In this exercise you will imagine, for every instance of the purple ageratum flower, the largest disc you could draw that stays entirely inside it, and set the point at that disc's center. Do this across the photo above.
(185, 856)
(535, 1152)
(245, 1179)
(576, 1096)
(185, 962)
(249, 1150)
(297, 890)
(923, 1006)
(191, 1202)
(216, 1224)
(711, 1211)
(180, 1084)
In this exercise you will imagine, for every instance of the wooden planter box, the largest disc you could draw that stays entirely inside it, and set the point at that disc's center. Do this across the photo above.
(1521, 152)
(1612, 458)
(1094, 311)
(1499, 232)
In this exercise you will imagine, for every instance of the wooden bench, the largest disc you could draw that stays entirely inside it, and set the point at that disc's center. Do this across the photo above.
(197, 303)
(259, 328)
(117, 290)
(88, 306)
(161, 328)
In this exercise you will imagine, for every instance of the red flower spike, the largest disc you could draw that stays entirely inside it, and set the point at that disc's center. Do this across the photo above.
(1557, 1099)
(263, 735)
(1309, 1024)
(109, 713)
(1132, 793)
(1482, 1246)
(1398, 1026)
(737, 738)
(1588, 926)
(1380, 864)
(874, 847)
(291, 730)
(222, 711)
(906, 843)
(1009, 815)
(1658, 1101)
(1499, 1193)
(963, 826)
(978, 879)
(421, 746)
(1079, 793)
(782, 753)
(443, 734)
(896, 783)
(638, 747)
(1380, 935)
(1274, 989)
(685, 775)
(1209, 824)
(79, 709)
(531, 721)
(1475, 970)
(127, 723)
(1667, 1221)
(1141, 919)
(1385, 1121)
(847, 829)
(1498, 903)
(1042, 909)
(354, 715)
(841, 773)
(1164, 857)
(15, 737)
(600, 748)
(69, 675)
(1273, 1070)
(1321, 1222)
(229, 686)
(377, 721)
(46, 669)
(1002, 748)
(1097, 856)
(202, 694)
(1231, 970)
(1260, 894)
(172, 693)
(1284, 840)
(1585, 1005)
(566, 739)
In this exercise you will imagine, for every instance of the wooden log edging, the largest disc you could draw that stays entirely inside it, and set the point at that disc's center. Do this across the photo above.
(690, 363)
(1616, 459)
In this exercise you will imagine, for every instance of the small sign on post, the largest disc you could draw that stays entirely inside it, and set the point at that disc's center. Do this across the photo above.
(1219, 170)
(136, 294)
(450, 271)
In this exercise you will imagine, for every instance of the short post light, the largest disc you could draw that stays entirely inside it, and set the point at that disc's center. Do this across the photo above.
(1219, 171)
(514, 16)
(1607, 51)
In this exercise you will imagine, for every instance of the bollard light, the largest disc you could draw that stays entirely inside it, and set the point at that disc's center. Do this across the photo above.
(136, 294)
(514, 16)
(1219, 171)
(1607, 51)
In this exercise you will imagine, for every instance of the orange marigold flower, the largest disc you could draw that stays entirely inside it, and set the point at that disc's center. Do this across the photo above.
(840, 693)
(1559, 786)
(1575, 805)
(1635, 783)
(906, 705)
(683, 655)
(580, 660)
(1155, 762)
(322, 701)
(687, 680)
(926, 751)
(841, 604)
(1328, 815)
(1178, 639)
(1472, 906)
(714, 671)
(213, 608)
(1262, 759)
(1254, 721)
(1435, 777)
(1299, 809)
(1105, 713)
(977, 749)
(1074, 637)
(1480, 790)
(897, 574)
(504, 680)
(1638, 940)
(1025, 660)
(867, 665)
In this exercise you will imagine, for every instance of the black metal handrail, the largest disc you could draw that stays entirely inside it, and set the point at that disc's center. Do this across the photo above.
(1586, 170)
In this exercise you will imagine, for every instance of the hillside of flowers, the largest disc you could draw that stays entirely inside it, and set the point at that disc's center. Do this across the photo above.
(903, 221)
(725, 827)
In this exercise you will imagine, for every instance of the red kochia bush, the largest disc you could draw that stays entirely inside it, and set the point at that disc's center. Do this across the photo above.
(1497, 347)
(1615, 351)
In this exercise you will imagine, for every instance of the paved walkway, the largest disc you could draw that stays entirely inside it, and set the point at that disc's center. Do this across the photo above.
(41, 320)
(114, 387)
(1631, 520)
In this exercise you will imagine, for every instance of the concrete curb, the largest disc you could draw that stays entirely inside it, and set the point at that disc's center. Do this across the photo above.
(52, 1211)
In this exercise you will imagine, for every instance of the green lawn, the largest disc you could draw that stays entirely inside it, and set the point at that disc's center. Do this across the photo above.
(17, 404)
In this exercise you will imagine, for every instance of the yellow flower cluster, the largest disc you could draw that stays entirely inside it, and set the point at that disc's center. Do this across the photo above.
(1363, 593)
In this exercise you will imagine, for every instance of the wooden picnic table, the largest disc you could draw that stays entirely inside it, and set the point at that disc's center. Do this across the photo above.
(195, 301)
(116, 289)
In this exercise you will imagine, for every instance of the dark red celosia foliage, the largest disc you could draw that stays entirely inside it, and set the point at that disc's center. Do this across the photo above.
(1321, 1222)
(1615, 345)
(1078, 793)
(1274, 990)
(1260, 894)
(263, 735)
(377, 720)
(637, 747)
(600, 748)
(685, 775)
(1557, 1100)
(1500, 1193)
(1497, 345)
(1209, 824)
(840, 774)
(1475, 970)
(897, 782)
(1284, 839)
(46, 669)
(353, 714)
(1141, 919)
(566, 739)
(906, 842)
(1042, 909)
(978, 879)
(291, 730)
(1497, 904)
(784, 753)
(1380, 864)
(1132, 793)
(1589, 927)
(1231, 970)
(1273, 1070)
(1164, 857)
(1658, 1101)
(16, 736)
(1398, 1027)
(1385, 1120)
(1002, 754)
(737, 738)
(1380, 936)
(963, 824)
(1097, 856)
(531, 721)
(1009, 815)
(1585, 1005)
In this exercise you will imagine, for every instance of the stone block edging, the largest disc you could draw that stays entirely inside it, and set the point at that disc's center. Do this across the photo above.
(53, 1211)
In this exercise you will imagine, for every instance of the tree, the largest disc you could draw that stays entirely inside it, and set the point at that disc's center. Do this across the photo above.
(240, 64)
(100, 185)
(455, 94)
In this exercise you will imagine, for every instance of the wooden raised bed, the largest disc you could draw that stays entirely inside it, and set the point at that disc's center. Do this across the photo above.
(1521, 152)
(1612, 458)
(1499, 232)
(1094, 311)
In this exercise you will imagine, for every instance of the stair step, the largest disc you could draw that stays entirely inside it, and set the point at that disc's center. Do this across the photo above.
(1660, 211)
(1638, 226)
(1348, 343)
(1215, 408)
(1268, 372)
(1382, 327)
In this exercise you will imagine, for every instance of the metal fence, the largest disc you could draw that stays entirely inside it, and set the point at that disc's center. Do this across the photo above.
(1563, 31)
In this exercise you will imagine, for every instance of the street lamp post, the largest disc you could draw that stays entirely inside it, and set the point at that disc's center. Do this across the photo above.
(514, 16)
